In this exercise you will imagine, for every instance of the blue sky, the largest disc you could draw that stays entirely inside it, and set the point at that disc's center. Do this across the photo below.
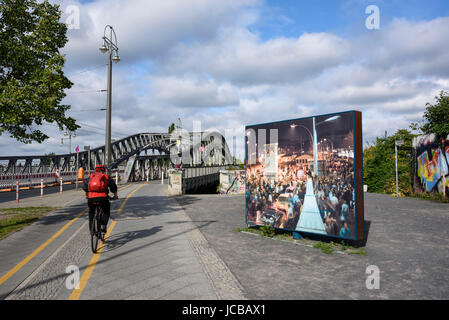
(236, 62)
(290, 18)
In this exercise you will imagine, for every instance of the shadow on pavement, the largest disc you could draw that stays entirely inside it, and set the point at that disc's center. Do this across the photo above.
(118, 240)
(146, 206)
(187, 221)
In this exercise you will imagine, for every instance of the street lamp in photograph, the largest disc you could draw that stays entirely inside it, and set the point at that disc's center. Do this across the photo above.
(109, 46)
(315, 144)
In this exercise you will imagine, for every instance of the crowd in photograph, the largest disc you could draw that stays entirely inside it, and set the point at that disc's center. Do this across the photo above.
(277, 201)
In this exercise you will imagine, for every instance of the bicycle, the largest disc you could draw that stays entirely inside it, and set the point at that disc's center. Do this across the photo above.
(96, 233)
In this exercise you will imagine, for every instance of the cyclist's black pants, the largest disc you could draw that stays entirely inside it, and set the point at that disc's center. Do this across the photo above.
(104, 202)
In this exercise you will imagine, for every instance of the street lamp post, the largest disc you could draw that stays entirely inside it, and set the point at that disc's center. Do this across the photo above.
(396, 144)
(70, 134)
(110, 46)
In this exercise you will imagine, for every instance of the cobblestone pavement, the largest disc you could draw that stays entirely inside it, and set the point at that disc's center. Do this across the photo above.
(408, 241)
(153, 252)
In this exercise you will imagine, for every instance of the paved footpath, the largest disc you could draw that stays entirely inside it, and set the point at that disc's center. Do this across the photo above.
(153, 251)
(408, 240)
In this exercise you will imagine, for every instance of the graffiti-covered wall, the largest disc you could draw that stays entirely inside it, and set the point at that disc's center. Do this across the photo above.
(431, 165)
(232, 181)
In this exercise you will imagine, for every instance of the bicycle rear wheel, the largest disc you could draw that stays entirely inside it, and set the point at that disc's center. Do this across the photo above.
(94, 232)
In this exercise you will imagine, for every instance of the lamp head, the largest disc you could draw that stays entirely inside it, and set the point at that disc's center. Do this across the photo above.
(116, 57)
(103, 47)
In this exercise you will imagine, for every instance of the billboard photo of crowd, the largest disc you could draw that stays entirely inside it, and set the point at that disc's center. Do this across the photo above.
(300, 175)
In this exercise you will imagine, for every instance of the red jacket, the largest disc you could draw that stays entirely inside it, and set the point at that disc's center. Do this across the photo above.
(110, 185)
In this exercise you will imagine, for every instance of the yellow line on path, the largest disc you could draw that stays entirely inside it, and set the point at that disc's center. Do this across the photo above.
(76, 293)
(35, 252)
(90, 267)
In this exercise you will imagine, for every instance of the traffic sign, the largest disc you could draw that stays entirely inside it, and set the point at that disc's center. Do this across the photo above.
(77, 149)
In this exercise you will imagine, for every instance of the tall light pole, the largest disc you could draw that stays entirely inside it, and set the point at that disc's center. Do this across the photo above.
(396, 144)
(110, 46)
(70, 134)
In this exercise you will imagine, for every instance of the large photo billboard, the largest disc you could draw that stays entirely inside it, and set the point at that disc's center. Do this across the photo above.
(305, 175)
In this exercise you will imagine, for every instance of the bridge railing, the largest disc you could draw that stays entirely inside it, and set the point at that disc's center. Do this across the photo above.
(9, 181)
(201, 171)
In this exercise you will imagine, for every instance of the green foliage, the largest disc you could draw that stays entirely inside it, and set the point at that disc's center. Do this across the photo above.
(327, 248)
(32, 80)
(47, 161)
(171, 128)
(379, 164)
(247, 229)
(359, 251)
(267, 231)
(437, 197)
(436, 118)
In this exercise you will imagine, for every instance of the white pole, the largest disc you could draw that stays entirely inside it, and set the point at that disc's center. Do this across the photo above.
(116, 177)
(42, 187)
(396, 160)
(162, 176)
(443, 175)
(60, 185)
(76, 174)
(17, 191)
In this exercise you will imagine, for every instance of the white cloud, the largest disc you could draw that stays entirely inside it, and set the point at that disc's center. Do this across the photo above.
(191, 92)
(239, 56)
(198, 60)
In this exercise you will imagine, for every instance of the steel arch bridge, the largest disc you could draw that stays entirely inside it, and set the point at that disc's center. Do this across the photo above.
(149, 152)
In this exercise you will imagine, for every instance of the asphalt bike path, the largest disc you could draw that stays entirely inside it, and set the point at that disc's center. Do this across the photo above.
(24, 251)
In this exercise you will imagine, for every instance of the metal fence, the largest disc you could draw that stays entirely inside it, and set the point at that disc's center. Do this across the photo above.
(9, 181)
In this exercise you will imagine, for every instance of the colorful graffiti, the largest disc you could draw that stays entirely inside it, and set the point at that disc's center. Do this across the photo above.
(432, 168)
(232, 181)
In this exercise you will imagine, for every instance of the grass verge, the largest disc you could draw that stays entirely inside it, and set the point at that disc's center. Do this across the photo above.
(435, 197)
(325, 247)
(14, 219)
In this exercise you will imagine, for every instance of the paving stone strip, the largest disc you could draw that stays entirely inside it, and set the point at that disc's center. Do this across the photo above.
(226, 286)
(48, 279)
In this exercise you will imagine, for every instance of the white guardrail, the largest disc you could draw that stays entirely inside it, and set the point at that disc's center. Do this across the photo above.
(8, 181)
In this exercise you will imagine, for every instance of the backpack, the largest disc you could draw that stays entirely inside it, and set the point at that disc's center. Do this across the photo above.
(98, 182)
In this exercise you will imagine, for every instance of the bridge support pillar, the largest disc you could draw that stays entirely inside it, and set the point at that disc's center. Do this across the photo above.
(175, 182)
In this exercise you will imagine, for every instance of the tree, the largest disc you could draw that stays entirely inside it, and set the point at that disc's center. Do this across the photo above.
(379, 164)
(436, 118)
(47, 161)
(171, 128)
(32, 81)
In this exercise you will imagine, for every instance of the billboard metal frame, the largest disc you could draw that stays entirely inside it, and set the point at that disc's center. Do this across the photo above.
(358, 175)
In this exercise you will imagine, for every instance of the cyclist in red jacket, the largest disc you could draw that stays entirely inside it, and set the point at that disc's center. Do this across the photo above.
(97, 188)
